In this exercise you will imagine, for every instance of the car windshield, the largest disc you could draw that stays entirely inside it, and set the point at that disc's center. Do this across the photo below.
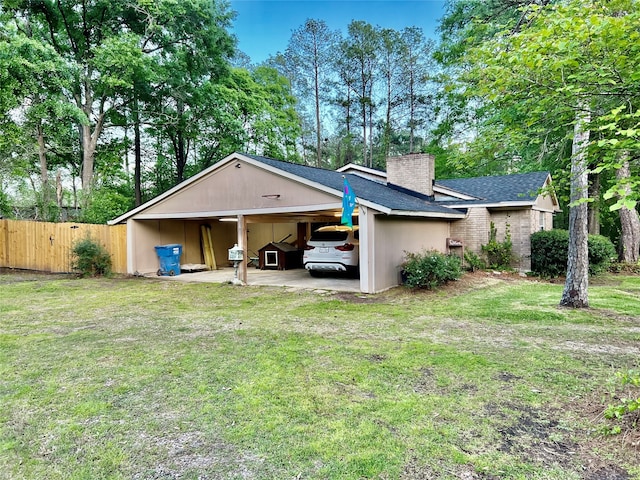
(329, 236)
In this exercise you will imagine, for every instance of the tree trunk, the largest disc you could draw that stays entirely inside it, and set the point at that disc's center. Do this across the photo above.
(89, 138)
(594, 206)
(137, 174)
(575, 292)
(180, 144)
(88, 156)
(59, 190)
(629, 221)
(412, 113)
(317, 95)
(371, 132)
(364, 130)
(44, 170)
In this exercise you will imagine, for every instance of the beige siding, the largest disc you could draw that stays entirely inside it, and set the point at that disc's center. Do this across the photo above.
(233, 189)
(546, 203)
(394, 237)
(261, 234)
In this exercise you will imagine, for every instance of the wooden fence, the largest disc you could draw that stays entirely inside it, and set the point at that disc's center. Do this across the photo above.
(47, 246)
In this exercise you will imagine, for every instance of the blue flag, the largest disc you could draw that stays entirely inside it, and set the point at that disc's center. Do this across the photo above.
(348, 204)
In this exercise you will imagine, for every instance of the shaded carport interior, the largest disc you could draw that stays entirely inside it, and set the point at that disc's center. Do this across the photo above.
(261, 230)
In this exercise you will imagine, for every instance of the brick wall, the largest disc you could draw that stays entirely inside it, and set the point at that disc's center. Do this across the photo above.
(473, 230)
(519, 224)
(415, 171)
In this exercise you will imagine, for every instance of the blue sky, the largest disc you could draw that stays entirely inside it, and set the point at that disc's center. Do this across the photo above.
(264, 27)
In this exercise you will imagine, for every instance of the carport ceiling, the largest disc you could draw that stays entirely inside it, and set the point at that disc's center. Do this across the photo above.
(329, 216)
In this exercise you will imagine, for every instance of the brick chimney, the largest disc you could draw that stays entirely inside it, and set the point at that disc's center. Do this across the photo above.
(415, 171)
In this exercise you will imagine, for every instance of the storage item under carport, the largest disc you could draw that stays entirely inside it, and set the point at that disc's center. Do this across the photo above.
(279, 256)
(169, 257)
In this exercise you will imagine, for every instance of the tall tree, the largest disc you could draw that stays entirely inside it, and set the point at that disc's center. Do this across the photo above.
(362, 48)
(392, 51)
(308, 55)
(418, 73)
(556, 65)
(194, 49)
(629, 219)
(344, 100)
(92, 36)
(33, 79)
(575, 293)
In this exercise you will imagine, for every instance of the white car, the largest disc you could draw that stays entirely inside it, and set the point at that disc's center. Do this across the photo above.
(333, 248)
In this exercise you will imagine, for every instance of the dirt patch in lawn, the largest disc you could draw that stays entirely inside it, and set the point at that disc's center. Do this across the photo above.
(468, 282)
(12, 275)
(539, 435)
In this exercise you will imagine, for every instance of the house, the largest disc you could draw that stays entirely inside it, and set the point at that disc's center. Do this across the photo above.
(511, 203)
(254, 201)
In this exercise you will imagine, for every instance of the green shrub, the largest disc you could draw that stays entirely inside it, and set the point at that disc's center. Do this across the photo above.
(602, 253)
(430, 269)
(627, 402)
(499, 254)
(90, 258)
(549, 253)
(5, 205)
(474, 261)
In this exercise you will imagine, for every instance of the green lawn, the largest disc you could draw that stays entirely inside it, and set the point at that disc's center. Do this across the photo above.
(156, 379)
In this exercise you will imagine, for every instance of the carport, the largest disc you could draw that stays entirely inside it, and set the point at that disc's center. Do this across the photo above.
(250, 201)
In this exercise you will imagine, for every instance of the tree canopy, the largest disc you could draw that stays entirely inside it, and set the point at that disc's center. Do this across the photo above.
(106, 104)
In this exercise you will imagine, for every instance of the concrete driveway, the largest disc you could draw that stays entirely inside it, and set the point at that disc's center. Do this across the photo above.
(296, 278)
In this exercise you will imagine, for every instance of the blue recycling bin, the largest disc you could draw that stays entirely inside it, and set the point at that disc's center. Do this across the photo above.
(169, 256)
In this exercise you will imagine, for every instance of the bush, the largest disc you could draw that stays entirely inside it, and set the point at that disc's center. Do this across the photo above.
(474, 261)
(430, 269)
(602, 253)
(549, 253)
(499, 254)
(625, 412)
(90, 258)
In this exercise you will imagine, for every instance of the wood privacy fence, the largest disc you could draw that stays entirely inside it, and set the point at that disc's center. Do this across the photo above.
(47, 246)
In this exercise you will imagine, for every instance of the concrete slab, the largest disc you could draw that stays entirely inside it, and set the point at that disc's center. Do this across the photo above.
(296, 278)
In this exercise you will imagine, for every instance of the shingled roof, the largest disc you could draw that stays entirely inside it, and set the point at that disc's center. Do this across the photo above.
(520, 187)
(365, 189)
(394, 200)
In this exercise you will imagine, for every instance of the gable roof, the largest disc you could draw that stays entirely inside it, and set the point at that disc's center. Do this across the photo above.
(519, 188)
(366, 172)
(389, 199)
(381, 197)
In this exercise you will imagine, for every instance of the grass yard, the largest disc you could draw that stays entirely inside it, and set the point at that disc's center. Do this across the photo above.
(135, 378)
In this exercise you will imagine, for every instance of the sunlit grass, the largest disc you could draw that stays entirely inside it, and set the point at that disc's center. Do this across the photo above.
(132, 378)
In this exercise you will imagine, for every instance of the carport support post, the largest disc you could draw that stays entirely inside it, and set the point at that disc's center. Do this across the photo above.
(242, 243)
